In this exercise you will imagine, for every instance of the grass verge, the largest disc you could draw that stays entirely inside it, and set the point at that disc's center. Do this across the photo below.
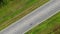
(50, 26)
(16, 9)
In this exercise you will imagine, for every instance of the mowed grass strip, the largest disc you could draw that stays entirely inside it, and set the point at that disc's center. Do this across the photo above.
(50, 26)
(16, 9)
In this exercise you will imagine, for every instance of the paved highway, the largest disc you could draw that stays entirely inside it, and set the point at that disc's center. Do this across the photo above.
(31, 20)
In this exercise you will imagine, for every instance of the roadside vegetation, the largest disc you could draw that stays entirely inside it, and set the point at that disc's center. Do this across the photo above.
(14, 10)
(50, 26)
(3, 3)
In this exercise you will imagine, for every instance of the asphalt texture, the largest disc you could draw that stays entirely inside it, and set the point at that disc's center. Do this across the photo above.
(34, 18)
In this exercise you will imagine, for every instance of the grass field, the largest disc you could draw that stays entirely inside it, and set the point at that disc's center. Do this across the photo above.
(16, 9)
(50, 26)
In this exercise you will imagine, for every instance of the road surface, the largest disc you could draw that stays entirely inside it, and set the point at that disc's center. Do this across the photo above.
(34, 18)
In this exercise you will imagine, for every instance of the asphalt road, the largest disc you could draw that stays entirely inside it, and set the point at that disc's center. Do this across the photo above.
(31, 20)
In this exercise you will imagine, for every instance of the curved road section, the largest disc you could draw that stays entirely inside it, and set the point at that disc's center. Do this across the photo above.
(36, 17)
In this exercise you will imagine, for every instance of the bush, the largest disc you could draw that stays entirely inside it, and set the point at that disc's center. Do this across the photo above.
(3, 3)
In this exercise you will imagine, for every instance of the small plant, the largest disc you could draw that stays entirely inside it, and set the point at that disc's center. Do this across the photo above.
(1, 3)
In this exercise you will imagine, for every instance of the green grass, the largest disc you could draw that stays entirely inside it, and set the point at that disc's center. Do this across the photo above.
(50, 26)
(16, 9)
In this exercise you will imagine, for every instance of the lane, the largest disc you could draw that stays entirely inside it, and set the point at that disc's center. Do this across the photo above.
(34, 18)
